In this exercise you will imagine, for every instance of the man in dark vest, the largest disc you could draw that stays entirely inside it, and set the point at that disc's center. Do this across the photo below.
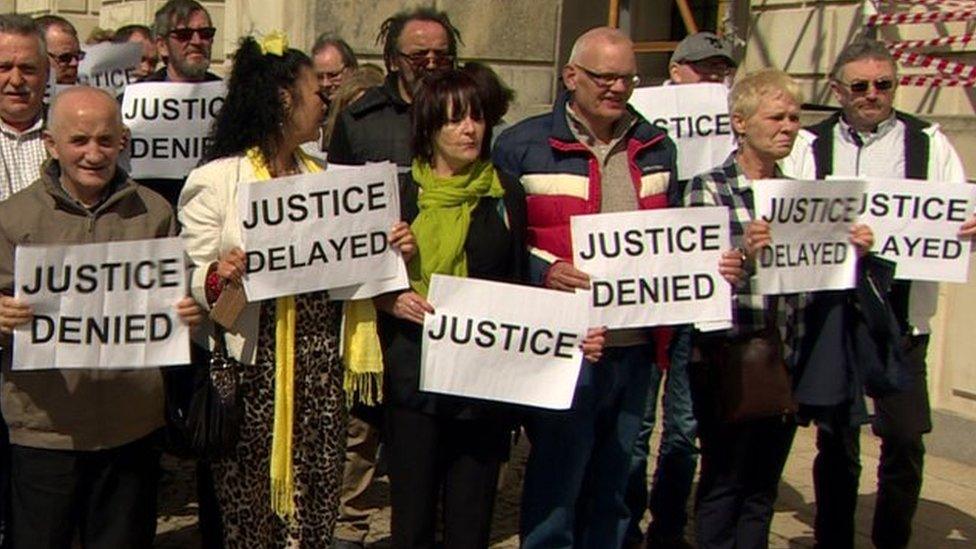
(868, 138)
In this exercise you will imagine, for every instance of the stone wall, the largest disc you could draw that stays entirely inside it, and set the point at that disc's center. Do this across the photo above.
(803, 38)
(520, 41)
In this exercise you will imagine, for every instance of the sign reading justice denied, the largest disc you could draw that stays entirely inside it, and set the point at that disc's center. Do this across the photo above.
(170, 124)
(108, 305)
(654, 267)
(318, 231)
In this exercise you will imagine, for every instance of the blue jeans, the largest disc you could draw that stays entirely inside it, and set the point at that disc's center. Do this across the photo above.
(677, 456)
(578, 468)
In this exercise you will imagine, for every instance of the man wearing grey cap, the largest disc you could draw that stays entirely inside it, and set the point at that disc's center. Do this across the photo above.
(701, 57)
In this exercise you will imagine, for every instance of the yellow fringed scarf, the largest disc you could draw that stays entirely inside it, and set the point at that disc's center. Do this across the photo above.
(282, 477)
(362, 355)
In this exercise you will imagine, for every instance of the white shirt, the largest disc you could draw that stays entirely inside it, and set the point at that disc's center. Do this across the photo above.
(870, 154)
(21, 156)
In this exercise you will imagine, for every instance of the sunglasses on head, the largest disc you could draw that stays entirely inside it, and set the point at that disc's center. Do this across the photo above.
(68, 57)
(861, 86)
(186, 34)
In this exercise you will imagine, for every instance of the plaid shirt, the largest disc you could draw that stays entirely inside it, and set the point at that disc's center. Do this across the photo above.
(728, 186)
(21, 155)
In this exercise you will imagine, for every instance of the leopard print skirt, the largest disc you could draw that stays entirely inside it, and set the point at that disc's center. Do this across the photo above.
(241, 480)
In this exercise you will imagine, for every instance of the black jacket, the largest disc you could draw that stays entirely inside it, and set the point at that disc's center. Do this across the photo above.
(494, 252)
(375, 128)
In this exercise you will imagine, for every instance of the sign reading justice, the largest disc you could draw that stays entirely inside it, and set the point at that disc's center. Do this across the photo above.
(318, 231)
(483, 342)
(108, 305)
(696, 117)
(654, 267)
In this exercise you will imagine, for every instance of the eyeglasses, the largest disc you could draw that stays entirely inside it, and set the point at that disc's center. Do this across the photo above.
(67, 57)
(420, 59)
(861, 86)
(608, 79)
(186, 33)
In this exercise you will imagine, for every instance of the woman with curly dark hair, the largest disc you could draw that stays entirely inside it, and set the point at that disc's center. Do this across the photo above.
(280, 485)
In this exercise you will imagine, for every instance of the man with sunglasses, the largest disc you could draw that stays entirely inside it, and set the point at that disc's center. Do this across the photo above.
(63, 47)
(184, 36)
(868, 137)
(701, 57)
(591, 154)
(377, 126)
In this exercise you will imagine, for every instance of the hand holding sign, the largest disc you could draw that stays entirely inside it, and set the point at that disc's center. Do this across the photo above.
(405, 305)
(862, 238)
(730, 266)
(968, 229)
(231, 265)
(401, 238)
(562, 275)
(592, 345)
(13, 313)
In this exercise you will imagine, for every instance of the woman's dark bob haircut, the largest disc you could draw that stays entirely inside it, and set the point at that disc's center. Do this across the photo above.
(440, 99)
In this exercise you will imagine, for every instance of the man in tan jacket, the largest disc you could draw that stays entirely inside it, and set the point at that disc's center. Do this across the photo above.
(83, 449)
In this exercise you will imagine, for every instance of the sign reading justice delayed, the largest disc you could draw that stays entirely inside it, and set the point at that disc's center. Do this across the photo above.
(109, 305)
(318, 231)
(810, 223)
(655, 267)
(484, 342)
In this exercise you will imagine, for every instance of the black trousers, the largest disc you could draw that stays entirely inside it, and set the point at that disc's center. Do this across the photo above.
(107, 496)
(442, 460)
(901, 420)
(741, 465)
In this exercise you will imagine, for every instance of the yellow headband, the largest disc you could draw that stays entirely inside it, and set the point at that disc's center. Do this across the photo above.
(275, 43)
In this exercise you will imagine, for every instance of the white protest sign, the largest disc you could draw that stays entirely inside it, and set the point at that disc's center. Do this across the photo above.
(110, 66)
(654, 267)
(696, 117)
(108, 305)
(915, 224)
(810, 224)
(484, 342)
(318, 231)
(170, 124)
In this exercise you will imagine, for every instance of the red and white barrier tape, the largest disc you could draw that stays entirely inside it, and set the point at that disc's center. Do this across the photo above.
(934, 3)
(914, 59)
(882, 19)
(943, 41)
(935, 81)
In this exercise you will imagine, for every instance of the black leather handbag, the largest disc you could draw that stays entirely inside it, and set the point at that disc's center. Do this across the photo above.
(214, 415)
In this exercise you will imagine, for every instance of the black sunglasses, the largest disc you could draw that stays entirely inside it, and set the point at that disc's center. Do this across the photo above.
(186, 34)
(68, 57)
(861, 86)
(420, 58)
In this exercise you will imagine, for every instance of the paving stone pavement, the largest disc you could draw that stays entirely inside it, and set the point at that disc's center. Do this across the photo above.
(946, 516)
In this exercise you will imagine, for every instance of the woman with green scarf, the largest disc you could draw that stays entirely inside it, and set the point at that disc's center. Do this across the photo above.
(280, 485)
(468, 221)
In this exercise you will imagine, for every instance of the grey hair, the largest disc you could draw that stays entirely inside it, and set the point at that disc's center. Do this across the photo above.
(22, 25)
(173, 13)
(862, 48)
(327, 41)
(47, 22)
(584, 40)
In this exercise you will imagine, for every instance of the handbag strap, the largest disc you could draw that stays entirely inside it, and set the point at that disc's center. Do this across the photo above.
(220, 339)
